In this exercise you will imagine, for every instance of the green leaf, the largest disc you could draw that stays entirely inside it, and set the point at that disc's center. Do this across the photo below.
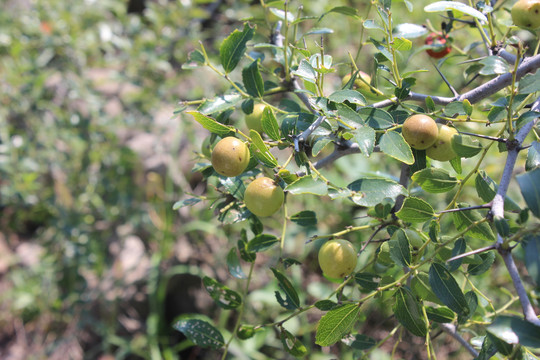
(210, 124)
(394, 145)
(467, 106)
(409, 31)
(233, 263)
(352, 96)
(408, 312)
(440, 314)
(456, 6)
(281, 14)
(201, 333)
(262, 242)
(291, 300)
(464, 219)
(336, 323)
(242, 244)
(233, 47)
(434, 180)
(529, 83)
(502, 346)
(486, 188)
(531, 246)
(465, 146)
(460, 246)
(494, 65)
(529, 184)
(533, 156)
(487, 260)
(307, 185)
(306, 71)
(420, 286)
(349, 116)
(269, 124)
(514, 330)
(400, 250)
(219, 104)
(371, 191)
(344, 10)
(415, 210)
(252, 79)
(402, 44)
(305, 218)
(360, 342)
(325, 305)
(377, 118)
(222, 295)
(447, 289)
(261, 151)
(291, 344)
(186, 202)
(319, 145)
(367, 281)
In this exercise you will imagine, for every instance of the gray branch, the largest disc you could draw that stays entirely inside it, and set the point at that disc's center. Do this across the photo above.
(450, 329)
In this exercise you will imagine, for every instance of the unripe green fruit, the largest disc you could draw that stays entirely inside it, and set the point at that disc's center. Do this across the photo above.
(245, 332)
(253, 120)
(526, 14)
(361, 86)
(337, 258)
(442, 148)
(230, 157)
(263, 197)
(420, 131)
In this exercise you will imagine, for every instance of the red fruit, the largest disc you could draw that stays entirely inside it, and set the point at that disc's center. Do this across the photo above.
(440, 42)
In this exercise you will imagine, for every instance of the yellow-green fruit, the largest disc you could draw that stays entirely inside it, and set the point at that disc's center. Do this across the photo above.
(253, 120)
(420, 131)
(361, 86)
(230, 157)
(263, 197)
(526, 14)
(337, 258)
(442, 148)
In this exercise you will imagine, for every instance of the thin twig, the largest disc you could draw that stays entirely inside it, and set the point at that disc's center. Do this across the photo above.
(485, 206)
(302, 137)
(477, 251)
(493, 138)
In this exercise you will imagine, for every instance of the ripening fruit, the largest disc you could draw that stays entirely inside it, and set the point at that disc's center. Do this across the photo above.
(442, 148)
(362, 87)
(263, 197)
(420, 131)
(526, 14)
(230, 157)
(253, 120)
(440, 49)
(337, 258)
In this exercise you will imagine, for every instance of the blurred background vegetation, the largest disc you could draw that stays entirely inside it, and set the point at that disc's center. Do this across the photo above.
(94, 262)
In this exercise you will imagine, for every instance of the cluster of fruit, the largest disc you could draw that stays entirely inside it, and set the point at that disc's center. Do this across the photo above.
(423, 133)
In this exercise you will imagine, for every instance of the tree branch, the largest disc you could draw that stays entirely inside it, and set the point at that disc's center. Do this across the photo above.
(450, 329)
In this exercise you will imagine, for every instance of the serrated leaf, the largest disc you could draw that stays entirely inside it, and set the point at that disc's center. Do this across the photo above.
(201, 333)
(408, 312)
(210, 124)
(352, 96)
(359, 342)
(453, 5)
(487, 260)
(186, 202)
(261, 151)
(336, 323)
(514, 330)
(233, 263)
(400, 251)
(464, 219)
(269, 124)
(415, 210)
(291, 301)
(533, 156)
(434, 180)
(307, 185)
(291, 344)
(529, 184)
(394, 145)
(371, 191)
(252, 79)
(376, 118)
(305, 218)
(233, 47)
(440, 314)
(222, 295)
(465, 147)
(262, 242)
(529, 83)
(446, 288)
(531, 246)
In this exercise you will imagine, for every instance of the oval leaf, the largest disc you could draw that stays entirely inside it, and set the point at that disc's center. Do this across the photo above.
(269, 124)
(408, 311)
(529, 184)
(262, 242)
(252, 79)
(336, 324)
(371, 191)
(415, 210)
(291, 300)
(305, 218)
(261, 151)
(465, 147)
(307, 185)
(394, 145)
(233, 263)
(400, 250)
(291, 344)
(233, 47)
(210, 124)
(457, 6)
(464, 219)
(447, 289)
(222, 295)
(201, 333)
(434, 180)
